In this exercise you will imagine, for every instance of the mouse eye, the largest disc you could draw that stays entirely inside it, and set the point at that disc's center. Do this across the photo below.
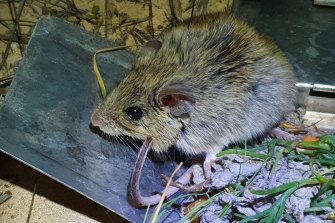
(134, 113)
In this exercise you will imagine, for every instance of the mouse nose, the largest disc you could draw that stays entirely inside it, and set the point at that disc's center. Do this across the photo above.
(96, 119)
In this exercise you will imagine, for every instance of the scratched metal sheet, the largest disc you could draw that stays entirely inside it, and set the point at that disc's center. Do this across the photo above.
(303, 31)
(44, 121)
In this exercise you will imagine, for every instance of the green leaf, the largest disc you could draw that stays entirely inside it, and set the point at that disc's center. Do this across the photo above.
(198, 208)
(289, 218)
(314, 210)
(286, 186)
(274, 213)
(330, 139)
(279, 155)
(330, 162)
(315, 145)
(242, 152)
(89, 17)
(319, 177)
(224, 210)
(325, 202)
(95, 10)
(324, 188)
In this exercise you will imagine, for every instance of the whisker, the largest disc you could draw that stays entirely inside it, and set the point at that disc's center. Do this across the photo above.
(123, 141)
(132, 143)
(119, 138)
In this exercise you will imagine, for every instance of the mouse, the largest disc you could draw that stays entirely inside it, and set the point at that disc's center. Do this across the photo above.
(203, 85)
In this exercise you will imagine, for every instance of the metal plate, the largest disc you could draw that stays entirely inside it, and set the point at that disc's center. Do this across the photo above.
(46, 114)
(305, 33)
(325, 2)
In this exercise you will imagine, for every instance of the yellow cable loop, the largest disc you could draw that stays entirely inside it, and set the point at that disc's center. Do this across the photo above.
(96, 69)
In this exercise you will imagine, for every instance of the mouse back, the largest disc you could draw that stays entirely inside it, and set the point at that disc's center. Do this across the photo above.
(202, 86)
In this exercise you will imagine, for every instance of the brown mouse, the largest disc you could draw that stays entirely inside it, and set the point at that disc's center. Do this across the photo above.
(201, 88)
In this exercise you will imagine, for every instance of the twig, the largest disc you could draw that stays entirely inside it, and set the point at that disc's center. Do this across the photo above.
(135, 1)
(313, 124)
(159, 206)
(134, 22)
(32, 200)
(111, 218)
(151, 26)
(192, 12)
(3, 23)
(140, 34)
(28, 23)
(137, 37)
(12, 30)
(73, 10)
(6, 38)
(56, 5)
(176, 12)
(16, 21)
(134, 36)
(105, 23)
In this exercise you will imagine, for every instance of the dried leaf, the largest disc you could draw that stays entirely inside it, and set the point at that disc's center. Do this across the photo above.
(292, 128)
(288, 125)
(310, 138)
(192, 205)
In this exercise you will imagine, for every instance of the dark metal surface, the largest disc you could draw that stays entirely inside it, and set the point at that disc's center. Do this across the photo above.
(303, 31)
(46, 114)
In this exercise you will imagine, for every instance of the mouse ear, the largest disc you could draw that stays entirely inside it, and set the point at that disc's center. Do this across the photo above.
(150, 48)
(177, 97)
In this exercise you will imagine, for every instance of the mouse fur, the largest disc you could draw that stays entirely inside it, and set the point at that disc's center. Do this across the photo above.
(202, 87)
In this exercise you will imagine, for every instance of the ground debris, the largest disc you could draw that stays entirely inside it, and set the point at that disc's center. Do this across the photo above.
(232, 169)
(4, 196)
(267, 175)
(311, 219)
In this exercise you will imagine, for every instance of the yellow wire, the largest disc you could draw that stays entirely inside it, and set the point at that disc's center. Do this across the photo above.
(96, 69)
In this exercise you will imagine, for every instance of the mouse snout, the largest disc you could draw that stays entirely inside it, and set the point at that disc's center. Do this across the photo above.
(96, 119)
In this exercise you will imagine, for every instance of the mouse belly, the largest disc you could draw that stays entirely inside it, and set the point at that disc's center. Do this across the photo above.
(197, 144)
(214, 140)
